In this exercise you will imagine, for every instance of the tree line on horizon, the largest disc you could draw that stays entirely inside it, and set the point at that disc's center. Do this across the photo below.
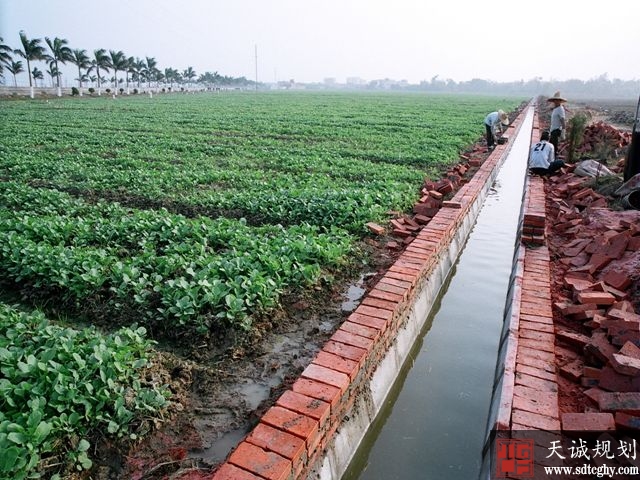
(91, 67)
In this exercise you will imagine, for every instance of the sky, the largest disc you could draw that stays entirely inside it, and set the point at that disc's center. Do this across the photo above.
(311, 40)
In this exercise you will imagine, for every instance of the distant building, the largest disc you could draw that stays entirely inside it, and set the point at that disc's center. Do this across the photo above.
(329, 81)
(356, 81)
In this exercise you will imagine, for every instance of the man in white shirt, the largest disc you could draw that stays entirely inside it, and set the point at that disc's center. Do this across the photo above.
(542, 157)
(558, 119)
(492, 122)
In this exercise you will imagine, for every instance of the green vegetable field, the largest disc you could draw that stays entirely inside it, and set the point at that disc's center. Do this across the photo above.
(181, 215)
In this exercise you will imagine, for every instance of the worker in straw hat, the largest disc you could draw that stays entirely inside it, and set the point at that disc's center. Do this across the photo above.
(493, 122)
(558, 120)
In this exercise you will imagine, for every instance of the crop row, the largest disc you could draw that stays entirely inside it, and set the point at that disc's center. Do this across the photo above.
(329, 160)
(60, 385)
(170, 270)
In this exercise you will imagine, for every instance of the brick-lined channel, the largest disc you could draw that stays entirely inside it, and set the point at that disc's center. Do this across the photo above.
(433, 424)
(315, 427)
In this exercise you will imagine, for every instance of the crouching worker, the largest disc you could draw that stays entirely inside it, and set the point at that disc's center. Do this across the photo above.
(542, 157)
(493, 122)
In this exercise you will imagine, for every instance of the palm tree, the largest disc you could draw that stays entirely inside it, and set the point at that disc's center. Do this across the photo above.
(59, 53)
(31, 50)
(150, 70)
(137, 67)
(81, 60)
(15, 68)
(117, 61)
(100, 62)
(52, 72)
(37, 75)
(189, 74)
(170, 75)
(130, 70)
(5, 55)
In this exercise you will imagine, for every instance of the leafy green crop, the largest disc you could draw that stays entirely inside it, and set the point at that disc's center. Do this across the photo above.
(59, 385)
(173, 271)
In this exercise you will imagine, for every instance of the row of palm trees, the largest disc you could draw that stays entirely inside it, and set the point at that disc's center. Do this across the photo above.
(89, 67)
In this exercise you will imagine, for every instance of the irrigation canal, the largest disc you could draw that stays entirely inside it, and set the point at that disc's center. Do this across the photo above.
(434, 421)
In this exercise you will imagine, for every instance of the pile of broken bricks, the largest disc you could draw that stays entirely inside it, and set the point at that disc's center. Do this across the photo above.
(597, 258)
(433, 198)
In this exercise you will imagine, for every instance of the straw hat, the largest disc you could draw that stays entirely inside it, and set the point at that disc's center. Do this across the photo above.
(504, 118)
(556, 98)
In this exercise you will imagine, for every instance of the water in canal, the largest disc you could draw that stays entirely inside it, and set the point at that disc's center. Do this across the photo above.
(433, 424)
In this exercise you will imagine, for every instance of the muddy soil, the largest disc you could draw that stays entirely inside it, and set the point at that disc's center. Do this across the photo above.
(220, 392)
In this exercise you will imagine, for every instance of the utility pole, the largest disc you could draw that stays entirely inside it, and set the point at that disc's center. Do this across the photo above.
(256, 50)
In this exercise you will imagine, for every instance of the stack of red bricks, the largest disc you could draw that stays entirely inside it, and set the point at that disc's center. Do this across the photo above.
(596, 251)
(599, 133)
(406, 227)
(534, 212)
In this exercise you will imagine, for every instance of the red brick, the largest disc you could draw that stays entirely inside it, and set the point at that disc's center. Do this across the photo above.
(268, 465)
(626, 421)
(421, 219)
(387, 287)
(375, 228)
(401, 276)
(535, 421)
(318, 390)
(546, 356)
(326, 375)
(631, 350)
(395, 282)
(309, 406)
(231, 472)
(368, 321)
(616, 382)
(348, 338)
(535, 362)
(358, 329)
(374, 312)
(425, 210)
(346, 351)
(383, 295)
(618, 280)
(535, 372)
(572, 370)
(634, 244)
(627, 402)
(623, 315)
(570, 309)
(339, 364)
(599, 347)
(597, 262)
(544, 346)
(534, 401)
(617, 245)
(294, 423)
(577, 340)
(587, 422)
(599, 298)
(625, 365)
(536, 383)
(283, 443)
